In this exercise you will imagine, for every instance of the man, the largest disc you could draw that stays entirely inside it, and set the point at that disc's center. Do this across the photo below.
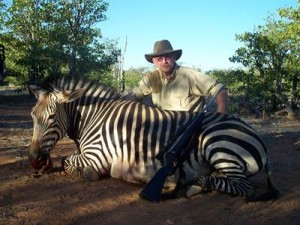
(173, 87)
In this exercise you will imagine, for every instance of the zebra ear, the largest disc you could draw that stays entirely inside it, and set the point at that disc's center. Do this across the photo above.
(69, 96)
(36, 90)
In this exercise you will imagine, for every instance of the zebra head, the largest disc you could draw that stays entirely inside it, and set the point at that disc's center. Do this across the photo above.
(47, 129)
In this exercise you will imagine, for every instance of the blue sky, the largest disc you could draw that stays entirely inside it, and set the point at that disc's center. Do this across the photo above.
(204, 29)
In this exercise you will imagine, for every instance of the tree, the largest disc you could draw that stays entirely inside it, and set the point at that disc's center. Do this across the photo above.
(265, 53)
(75, 19)
(25, 34)
(291, 33)
(51, 38)
(272, 54)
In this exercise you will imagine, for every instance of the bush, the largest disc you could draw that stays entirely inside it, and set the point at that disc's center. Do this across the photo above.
(12, 80)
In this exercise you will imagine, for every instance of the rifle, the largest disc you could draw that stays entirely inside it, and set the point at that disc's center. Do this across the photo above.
(152, 191)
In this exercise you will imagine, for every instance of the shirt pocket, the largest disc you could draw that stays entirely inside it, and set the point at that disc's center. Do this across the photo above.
(175, 103)
(179, 97)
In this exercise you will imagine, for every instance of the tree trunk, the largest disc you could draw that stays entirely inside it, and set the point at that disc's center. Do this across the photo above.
(2, 59)
(289, 110)
(294, 92)
(72, 63)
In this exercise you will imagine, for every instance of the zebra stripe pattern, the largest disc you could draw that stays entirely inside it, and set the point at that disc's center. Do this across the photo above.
(115, 137)
(234, 150)
(122, 138)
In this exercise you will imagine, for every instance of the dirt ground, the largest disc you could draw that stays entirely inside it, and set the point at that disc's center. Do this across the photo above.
(56, 199)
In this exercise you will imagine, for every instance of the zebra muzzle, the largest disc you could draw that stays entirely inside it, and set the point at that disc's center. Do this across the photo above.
(42, 164)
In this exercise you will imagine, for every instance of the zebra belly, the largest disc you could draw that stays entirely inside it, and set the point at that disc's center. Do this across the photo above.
(131, 172)
(143, 174)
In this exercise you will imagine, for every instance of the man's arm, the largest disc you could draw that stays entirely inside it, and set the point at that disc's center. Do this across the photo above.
(222, 101)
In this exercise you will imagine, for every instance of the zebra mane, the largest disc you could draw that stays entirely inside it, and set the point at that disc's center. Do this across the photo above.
(67, 83)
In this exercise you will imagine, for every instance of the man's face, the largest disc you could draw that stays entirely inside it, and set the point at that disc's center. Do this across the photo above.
(165, 63)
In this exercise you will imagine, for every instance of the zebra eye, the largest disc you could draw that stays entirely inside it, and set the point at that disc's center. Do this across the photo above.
(51, 116)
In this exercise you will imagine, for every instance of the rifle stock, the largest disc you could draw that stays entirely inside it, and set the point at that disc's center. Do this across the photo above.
(152, 191)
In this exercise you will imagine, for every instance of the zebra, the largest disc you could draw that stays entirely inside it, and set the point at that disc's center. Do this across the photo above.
(121, 139)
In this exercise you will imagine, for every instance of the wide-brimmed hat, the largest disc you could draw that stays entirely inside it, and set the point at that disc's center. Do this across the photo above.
(163, 47)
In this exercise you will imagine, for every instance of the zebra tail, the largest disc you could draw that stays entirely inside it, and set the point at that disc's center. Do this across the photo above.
(273, 193)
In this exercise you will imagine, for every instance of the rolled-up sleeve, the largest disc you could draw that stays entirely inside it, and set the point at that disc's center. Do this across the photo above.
(215, 88)
(202, 84)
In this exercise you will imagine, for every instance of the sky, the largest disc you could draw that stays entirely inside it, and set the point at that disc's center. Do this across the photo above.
(205, 30)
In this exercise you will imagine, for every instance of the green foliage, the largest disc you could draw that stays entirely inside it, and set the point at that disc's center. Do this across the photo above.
(133, 76)
(241, 85)
(271, 55)
(58, 37)
(52, 38)
(12, 80)
(2, 13)
(233, 79)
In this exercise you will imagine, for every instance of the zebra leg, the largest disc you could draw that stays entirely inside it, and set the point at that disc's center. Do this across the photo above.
(90, 174)
(237, 185)
(76, 169)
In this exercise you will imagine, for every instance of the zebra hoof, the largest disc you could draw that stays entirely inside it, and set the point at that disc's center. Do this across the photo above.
(193, 190)
(90, 174)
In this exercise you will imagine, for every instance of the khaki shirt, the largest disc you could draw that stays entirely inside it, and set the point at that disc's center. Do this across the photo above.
(183, 92)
